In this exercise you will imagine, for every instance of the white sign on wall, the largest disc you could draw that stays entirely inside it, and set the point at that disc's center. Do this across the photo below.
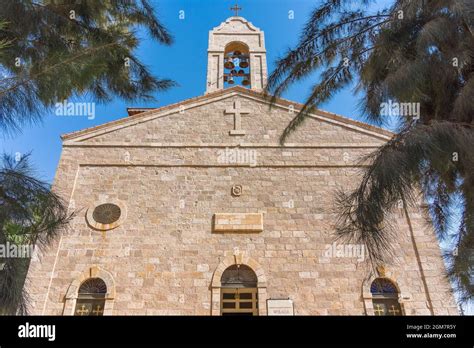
(280, 307)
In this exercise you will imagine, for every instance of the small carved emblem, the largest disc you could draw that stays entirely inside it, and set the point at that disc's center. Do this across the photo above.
(236, 190)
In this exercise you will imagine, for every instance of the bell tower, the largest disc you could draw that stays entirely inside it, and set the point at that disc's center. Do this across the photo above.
(236, 55)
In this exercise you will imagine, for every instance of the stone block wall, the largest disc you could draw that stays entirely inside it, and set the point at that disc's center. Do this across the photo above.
(165, 257)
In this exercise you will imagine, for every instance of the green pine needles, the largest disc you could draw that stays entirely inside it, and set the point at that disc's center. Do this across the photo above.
(60, 49)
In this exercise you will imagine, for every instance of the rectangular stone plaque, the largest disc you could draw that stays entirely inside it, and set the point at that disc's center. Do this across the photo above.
(238, 222)
(280, 307)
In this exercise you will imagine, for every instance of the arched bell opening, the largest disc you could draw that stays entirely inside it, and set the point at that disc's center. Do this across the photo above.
(236, 65)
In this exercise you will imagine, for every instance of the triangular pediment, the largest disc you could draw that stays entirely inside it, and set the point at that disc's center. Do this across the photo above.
(210, 119)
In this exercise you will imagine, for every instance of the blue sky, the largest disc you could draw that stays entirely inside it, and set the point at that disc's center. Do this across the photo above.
(185, 62)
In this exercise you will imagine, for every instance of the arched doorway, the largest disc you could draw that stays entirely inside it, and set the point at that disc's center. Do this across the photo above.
(91, 298)
(385, 297)
(239, 294)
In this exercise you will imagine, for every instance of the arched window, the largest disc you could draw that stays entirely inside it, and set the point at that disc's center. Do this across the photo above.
(91, 297)
(239, 294)
(385, 297)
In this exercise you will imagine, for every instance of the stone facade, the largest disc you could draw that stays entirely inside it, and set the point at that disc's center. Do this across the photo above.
(176, 170)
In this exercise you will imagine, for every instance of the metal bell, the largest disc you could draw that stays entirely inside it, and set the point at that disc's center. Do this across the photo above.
(244, 63)
(229, 63)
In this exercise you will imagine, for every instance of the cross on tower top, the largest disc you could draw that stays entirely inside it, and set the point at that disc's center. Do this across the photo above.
(236, 9)
(241, 39)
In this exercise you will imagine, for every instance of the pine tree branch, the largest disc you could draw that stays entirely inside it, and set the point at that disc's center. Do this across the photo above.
(341, 24)
(64, 62)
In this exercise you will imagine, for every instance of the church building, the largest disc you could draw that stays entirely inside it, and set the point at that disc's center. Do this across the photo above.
(195, 208)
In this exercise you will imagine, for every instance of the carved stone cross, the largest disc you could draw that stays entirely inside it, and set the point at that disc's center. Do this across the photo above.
(393, 310)
(237, 111)
(83, 311)
(97, 311)
(378, 310)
